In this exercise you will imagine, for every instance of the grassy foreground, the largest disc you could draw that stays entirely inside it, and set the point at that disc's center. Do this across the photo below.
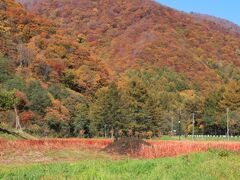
(8, 136)
(210, 165)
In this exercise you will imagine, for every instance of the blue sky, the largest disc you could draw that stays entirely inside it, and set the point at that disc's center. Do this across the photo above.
(227, 9)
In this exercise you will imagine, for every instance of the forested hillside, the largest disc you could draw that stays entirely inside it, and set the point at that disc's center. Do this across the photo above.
(227, 25)
(137, 33)
(35, 57)
(95, 68)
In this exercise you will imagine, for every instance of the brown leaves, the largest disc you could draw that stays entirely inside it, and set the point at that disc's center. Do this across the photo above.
(58, 111)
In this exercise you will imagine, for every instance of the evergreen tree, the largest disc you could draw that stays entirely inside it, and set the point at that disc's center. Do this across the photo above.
(231, 96)
(136, 96)
(81, 120)
(38, 97)
(212, 112)
(6, 69)
(107, 111)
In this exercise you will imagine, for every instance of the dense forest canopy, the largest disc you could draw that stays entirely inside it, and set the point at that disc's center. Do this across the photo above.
(130, 34)
(124, 68)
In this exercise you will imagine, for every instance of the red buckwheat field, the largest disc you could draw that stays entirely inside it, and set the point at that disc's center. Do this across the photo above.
(130, 147)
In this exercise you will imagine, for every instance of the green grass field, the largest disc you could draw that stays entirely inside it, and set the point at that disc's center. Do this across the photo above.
(8, 136)
(208, 166)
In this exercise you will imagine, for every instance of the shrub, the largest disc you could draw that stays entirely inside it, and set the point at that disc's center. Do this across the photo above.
(57, 127)
(15, 83)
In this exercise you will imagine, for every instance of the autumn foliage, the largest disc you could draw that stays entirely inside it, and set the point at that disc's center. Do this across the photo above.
(107, 68)
(130, 34)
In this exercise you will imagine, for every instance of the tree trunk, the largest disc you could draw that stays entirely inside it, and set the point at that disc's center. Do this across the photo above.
(112, 132)
(18, 125)
(116, 134)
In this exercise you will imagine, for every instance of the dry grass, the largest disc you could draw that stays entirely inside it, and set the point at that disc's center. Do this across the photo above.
(51, 150)
(54, 144)
(175, 148)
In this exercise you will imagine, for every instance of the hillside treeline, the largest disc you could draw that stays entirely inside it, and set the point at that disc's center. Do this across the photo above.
(68, 81)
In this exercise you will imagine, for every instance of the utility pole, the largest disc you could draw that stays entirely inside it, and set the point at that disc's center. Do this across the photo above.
(193, 124)
(179, 124)
(105, 130)
(228, 123)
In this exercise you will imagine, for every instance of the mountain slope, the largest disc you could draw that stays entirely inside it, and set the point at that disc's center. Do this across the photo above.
(41, 48)
(17, 26)
(70, 67)
(228, 25)
(45, 72)
(140, 33)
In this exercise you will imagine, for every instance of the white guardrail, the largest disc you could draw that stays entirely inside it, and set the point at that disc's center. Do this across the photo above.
(214, 136)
